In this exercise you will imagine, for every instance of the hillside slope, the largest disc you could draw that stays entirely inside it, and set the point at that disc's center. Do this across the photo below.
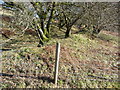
(84, 63)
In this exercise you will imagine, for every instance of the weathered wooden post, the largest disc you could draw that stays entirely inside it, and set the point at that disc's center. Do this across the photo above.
(57, 62)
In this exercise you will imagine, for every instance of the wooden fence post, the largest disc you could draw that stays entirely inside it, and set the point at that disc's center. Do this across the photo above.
(57, 62)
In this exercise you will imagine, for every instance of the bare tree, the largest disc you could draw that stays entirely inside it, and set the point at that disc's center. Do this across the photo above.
(36, 15)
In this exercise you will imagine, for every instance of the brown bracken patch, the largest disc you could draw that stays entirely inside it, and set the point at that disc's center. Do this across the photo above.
(68, 56)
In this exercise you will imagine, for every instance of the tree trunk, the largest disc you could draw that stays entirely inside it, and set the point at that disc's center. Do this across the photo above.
(68, 32)
(41, 43)
(42, 38)
(49, 20)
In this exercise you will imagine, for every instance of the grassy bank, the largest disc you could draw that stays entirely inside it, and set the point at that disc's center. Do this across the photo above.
(84, 62)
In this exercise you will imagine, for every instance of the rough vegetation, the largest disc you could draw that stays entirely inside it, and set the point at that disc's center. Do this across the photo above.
(84, 62)
(89, 56)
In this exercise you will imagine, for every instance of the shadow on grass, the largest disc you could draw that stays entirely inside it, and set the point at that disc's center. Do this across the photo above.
(44, 78)
(58, 36)
(4, 50)
(19, 43)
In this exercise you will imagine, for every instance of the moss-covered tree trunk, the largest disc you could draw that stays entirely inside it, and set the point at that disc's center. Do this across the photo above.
(45, 17)
(42, 37)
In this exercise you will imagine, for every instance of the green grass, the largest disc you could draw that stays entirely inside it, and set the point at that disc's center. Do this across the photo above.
(84, 62)
(108, 37)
